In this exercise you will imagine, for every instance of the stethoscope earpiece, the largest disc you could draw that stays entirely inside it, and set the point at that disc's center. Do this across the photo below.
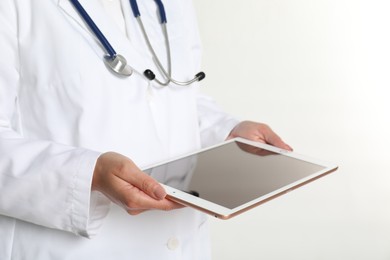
(200, 76)
(149, 75)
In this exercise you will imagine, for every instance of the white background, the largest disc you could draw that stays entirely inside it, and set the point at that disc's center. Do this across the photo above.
(318, 72)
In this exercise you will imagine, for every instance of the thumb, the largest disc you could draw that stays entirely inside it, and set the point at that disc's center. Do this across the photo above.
(273, 139)
(278, 142)
(148, 185)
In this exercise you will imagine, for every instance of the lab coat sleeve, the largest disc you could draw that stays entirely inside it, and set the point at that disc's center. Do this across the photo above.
(41, 182)
(215, 125)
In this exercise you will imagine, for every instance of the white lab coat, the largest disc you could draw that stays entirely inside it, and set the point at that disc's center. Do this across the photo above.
(60, 108)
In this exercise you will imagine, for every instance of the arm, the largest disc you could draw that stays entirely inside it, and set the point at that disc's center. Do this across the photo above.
(40, 182)
(47, 183)
(215, 125)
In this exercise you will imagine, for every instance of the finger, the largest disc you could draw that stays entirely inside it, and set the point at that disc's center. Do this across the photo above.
(136, 200)
(134, 212)
(146, 184)
(171, 206)
(272, 138)
(174, 205)
(278, 142)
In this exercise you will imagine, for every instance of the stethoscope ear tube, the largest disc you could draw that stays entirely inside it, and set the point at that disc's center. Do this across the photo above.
(134, 8)
(198, 77)
(91, 24)
(161, 10)
(118, 64)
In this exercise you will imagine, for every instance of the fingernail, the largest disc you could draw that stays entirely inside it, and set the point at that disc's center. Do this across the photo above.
(159, 193)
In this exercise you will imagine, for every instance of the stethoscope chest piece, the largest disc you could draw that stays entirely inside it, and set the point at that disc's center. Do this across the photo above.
(118, 65)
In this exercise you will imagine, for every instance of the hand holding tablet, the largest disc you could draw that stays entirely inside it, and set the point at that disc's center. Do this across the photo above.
(230, 178)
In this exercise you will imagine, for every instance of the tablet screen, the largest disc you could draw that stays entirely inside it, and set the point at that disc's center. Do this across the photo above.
(233, 174)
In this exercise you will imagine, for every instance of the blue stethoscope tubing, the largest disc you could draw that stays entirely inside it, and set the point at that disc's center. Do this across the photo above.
(161, 10)
(118, 64)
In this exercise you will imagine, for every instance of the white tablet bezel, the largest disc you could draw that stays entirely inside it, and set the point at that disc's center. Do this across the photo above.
(222, 212)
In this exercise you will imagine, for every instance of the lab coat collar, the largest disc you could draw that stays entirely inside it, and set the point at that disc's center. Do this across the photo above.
(139, 59)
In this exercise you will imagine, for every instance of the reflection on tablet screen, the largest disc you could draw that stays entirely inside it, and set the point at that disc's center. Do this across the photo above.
(233, 174)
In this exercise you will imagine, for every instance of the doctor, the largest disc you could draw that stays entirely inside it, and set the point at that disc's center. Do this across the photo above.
(62, 194)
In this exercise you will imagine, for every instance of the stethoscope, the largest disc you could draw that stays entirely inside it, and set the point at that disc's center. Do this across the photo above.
(118, 64)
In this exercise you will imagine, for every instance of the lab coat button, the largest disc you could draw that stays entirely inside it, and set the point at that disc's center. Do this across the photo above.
(173, 243)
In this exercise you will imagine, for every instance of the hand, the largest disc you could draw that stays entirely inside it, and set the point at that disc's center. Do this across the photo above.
(118, 178)
(258, 132)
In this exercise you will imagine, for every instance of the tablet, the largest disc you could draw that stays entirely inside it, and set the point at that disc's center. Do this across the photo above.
(230, 178)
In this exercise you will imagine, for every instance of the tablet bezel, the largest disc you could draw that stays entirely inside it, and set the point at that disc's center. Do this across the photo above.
(222, 212)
